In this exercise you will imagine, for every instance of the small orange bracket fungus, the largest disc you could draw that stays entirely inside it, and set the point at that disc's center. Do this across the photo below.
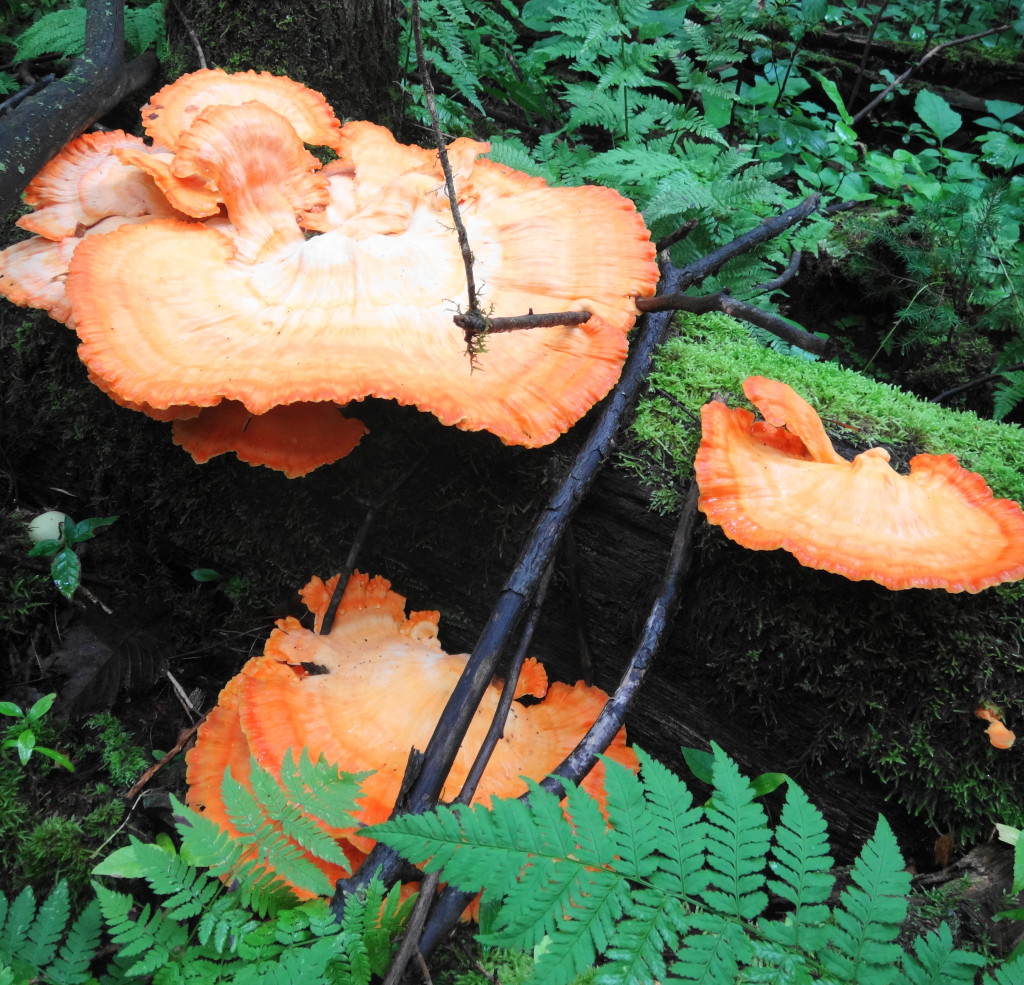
(998, 734)
(242, 271)
(366, 693)
(778, 483)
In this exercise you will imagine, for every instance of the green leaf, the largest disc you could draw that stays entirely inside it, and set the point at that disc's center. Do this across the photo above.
(766, 783)
(84, 529)
(41, 707)
(46, 548)
(66, 570)
(936, 114)
(57, 757)
(1003, 110)
(701, 764)
(25, 743)
(813, 11)
(206, 574)
(10, 708)
(122, 863)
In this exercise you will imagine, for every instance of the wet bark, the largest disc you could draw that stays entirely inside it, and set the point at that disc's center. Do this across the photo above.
(346, 49)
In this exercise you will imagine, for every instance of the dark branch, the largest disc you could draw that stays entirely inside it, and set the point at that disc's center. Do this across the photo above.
(36, 129)
(721, 301)
(543, 541)
(581, 760)
(987, 378)
(896, 83)
(667, 242)
(787, 275)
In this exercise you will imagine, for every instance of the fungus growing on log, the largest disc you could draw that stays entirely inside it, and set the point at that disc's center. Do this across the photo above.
(247, 273)
(779, 483)
(366, 693)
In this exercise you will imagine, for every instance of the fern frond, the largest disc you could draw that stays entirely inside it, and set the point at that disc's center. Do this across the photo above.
(71, 966)
(935, 961)
(150, 937)
(737, 842)
(321, 789)
(801, 865)
(17, 919)
(47, 927)
(870, 911)
(189, 890)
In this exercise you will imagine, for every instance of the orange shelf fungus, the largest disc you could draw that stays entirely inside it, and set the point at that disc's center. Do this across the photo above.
(367, 692)
(779, 483)
(998, 734)
(245, 272)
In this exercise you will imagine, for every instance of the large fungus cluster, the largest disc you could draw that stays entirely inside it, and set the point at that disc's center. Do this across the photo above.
(221, 278)
(367, 692)
(779, 483)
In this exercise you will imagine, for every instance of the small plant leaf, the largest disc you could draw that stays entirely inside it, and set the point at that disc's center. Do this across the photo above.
(10, 708)
(85, 529)
(206, 574)
(936, 114)
(45, 548)
(66, 570)
(41, 707)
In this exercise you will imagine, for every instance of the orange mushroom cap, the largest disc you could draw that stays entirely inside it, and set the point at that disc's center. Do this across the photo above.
(294, 439)
(938, 527)
(86, 182)
(998, 734)
(173, 109)
(370, 296)
(367, 692)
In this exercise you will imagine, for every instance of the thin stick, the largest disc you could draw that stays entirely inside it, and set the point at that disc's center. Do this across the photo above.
(192, 36)
(413, 929)
(442, 153)
(987, 378)
(497, 726)
(860, 114)
(475, 323)
(183, 741)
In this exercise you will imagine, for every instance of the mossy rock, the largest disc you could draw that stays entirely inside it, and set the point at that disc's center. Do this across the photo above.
(837, 672)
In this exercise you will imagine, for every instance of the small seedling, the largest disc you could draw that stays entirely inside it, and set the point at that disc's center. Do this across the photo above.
(23, 731)
(55, 536)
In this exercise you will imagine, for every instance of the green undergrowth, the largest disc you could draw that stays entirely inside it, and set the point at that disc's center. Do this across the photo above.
(665, 889)
(715, 353)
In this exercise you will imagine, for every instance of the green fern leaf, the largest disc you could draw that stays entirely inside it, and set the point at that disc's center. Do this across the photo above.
(1009, 974)
(321, 789)
(189, 890)
(150, 937)
(61, 32)
(936, 961)
(48, 927)
(870, 911)
(71, 966)
(737, 842)
(713, 955)
(19, 918)
(801, 864)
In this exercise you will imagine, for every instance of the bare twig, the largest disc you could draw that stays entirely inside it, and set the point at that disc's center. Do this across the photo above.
(677, 403)
(183, 740)
(728, 305)
(787, 275)
(987, 378)
(879, 11)
(192, 36)
(860, 114)
(497, 726)
(666, 242)
(476, 323)
(357, 545)
(413, 929)
(442, 153)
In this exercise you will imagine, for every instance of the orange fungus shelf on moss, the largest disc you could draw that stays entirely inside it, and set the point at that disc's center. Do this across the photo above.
(778, 483)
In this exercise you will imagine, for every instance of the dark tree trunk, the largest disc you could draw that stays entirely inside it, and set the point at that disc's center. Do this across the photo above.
(346, 49)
